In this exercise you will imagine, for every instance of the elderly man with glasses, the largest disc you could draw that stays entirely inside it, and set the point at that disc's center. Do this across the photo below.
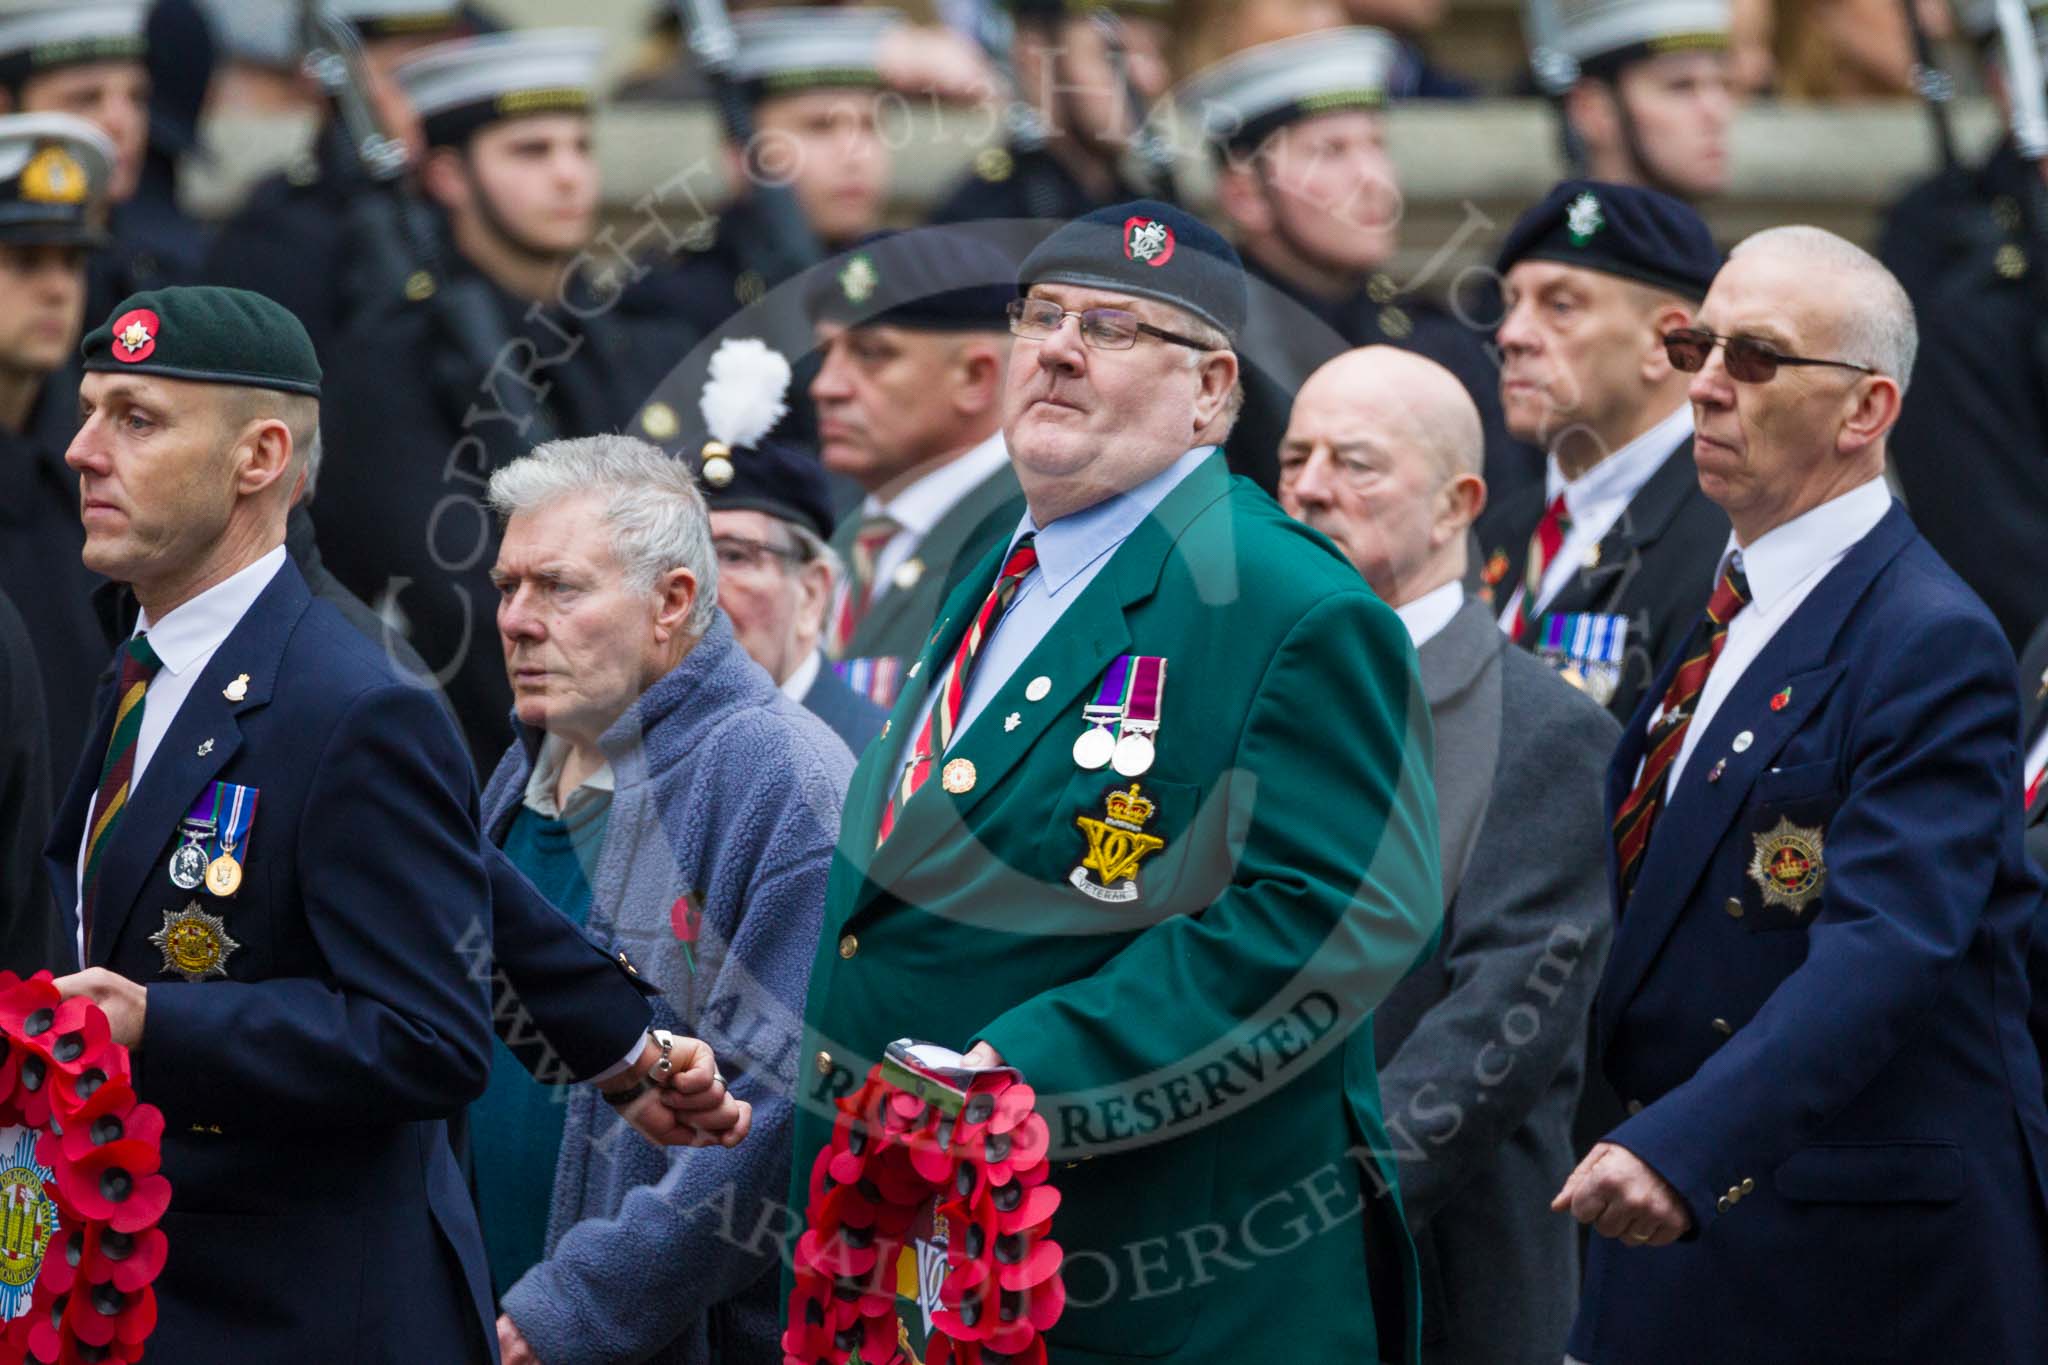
(1815, 1001)
(1153, 823)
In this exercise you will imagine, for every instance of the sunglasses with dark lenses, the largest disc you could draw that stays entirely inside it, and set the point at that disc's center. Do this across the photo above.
(1749, 361)
(1106, 329)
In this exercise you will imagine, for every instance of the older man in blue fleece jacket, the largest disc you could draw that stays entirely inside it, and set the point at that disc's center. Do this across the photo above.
(671, 800)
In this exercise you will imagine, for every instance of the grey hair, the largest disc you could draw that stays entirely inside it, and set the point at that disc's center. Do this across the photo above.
(1214, 338)
(1875, 325)
(315, 448)
(652, 508)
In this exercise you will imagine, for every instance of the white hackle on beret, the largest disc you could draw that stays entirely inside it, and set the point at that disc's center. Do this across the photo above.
(744, 398)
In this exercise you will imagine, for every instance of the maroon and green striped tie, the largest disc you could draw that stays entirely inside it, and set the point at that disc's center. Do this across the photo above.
(138, 665)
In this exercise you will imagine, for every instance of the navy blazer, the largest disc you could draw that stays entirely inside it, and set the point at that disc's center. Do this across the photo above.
(317, 1211)
(1846, 1095)
(853, 718)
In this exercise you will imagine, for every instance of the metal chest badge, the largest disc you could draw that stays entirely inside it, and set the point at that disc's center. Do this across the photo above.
(1587, 650)
(195, 945)
(1788, 865)
(1117, 844)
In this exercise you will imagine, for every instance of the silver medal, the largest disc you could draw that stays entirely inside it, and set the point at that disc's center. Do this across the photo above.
(1094, 749)
(1134, 755)
(188, 867)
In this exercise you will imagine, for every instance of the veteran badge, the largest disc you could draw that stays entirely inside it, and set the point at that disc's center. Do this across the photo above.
(1788, 865)
(1117, 844)
(28, 1220)
(195, 945)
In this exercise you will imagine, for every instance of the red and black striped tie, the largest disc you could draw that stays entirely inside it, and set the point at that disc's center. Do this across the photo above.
(1543, 548)
(1632, 824)
(945, 713)
(138, 665)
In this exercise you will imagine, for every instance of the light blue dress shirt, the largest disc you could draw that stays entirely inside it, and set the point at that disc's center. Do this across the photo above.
(1071, 552)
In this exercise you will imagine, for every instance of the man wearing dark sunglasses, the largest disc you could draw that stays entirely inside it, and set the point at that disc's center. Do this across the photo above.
(1597, 570)
(1815, 1000)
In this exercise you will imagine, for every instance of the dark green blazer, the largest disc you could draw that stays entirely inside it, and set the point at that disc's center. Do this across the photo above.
(1203, 1052)
(900, 618)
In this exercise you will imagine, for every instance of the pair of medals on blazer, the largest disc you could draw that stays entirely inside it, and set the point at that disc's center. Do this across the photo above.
(213, 845)
(1122, 728)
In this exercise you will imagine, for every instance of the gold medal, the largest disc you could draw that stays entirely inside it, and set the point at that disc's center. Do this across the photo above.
(1095, 748)
(195, 945)
(224, 875)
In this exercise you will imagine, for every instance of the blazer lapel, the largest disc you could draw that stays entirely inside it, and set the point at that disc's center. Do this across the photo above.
(1599, 583)
(935, 554)
(185, 761)
(1073, 654)
(1693, 825)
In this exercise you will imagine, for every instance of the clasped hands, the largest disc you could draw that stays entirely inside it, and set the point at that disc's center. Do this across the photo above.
(689, 1105)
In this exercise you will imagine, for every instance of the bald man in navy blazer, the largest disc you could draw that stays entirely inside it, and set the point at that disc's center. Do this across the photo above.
(1816, 1003)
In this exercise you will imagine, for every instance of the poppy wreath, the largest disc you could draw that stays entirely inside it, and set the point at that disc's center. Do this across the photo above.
(84, 1280)
(984, 1172)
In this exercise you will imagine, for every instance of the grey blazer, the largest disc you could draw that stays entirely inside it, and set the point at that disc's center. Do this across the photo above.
(1482, 1048)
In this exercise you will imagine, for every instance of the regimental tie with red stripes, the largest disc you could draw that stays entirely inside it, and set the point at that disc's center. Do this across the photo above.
(1543, 548)
(1632, 824)
(945, 713)
(874, 533)
(138, 665)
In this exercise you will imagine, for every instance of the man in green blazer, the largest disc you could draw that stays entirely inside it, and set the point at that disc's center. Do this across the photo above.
(1153, 822)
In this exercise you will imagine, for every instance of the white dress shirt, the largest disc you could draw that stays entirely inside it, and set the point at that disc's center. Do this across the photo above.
(1783, 567)
(921, 506)
(798, 685)
(185, 640)
(1428, 614)
(2037, 760)
(1595, 500)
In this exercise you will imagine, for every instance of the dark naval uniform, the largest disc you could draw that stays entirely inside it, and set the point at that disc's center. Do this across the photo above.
(31, 935)
(1291, 333)
(1008, 183)
(1971, 447)
(286, 242)
(41, 540)
(400, 512)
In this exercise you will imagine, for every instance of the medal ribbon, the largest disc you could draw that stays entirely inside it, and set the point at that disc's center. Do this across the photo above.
(232, 839)
(1113, 697)
(205, 812)
(1147, 691)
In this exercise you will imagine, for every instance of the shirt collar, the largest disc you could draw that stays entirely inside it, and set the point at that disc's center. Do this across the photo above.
(918, 508)
(1074, 542)
(1785, 556)
(191, 631)
(1621, 474)
(547, 771)
(1428, 614)
(798, 685)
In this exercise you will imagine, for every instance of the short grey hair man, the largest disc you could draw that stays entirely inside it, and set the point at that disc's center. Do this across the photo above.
(1876, 325)
(651, 507)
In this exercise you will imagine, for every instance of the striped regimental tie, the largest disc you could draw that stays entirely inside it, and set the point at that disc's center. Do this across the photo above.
(1639, 812)
(945, 713)
(874, 533)
(1543, 547)
(138, 665)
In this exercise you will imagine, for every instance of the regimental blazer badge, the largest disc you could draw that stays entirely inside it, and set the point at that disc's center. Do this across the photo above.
(1788, 865)
(195, 945)
(1117, 844)
(28, 1219)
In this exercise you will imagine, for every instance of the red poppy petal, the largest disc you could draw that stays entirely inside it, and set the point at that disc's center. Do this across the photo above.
(1041, 1262)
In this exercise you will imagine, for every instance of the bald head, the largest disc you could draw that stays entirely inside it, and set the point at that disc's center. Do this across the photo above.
(1382, 454)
